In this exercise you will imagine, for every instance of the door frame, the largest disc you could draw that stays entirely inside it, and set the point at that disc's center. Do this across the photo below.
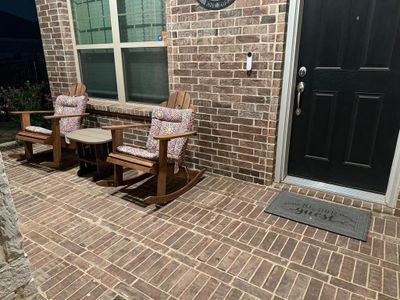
(293, 35)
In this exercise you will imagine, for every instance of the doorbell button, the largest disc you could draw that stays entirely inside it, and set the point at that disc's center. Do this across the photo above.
(249, 65)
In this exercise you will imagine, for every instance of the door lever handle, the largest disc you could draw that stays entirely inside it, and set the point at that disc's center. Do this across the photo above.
(300, 89)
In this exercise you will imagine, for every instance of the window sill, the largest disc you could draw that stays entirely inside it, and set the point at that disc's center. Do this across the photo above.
(111, 107)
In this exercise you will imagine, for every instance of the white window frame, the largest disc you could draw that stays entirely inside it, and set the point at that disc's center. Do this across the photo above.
(117, 47)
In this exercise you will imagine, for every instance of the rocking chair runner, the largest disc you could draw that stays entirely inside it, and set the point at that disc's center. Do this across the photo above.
(67, 117)
(166, 145)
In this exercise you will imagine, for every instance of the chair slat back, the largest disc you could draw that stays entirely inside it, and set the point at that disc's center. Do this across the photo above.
(78, 89)
(179, 100)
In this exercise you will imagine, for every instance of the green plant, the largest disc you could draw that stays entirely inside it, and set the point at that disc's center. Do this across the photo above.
(30, 96)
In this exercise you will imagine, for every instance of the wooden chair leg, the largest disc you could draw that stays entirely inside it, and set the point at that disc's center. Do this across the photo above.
(56, 163)
(28, 146)
(57, 154)
(163, 169)
(118, 175)
(161, 184)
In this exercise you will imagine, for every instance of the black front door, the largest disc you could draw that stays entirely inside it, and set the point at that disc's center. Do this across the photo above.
(347, 130)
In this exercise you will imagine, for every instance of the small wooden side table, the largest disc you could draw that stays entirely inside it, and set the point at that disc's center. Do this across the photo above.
(93, 145)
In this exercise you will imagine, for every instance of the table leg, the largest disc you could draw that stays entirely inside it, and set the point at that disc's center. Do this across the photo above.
(85, 152)
(81, 154)
(103, 169)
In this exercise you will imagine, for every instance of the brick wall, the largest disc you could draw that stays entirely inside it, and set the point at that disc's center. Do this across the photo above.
(102, 115)
(237, 114)
(57, 43)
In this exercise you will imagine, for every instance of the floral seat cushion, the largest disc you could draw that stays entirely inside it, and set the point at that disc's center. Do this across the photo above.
(67, 105)
(37, 129)
(138, 152)
(143, 153)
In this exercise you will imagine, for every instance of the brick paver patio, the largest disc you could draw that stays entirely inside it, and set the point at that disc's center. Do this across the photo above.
(215, 242)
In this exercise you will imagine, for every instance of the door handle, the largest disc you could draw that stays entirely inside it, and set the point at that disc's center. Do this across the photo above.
(300, 89)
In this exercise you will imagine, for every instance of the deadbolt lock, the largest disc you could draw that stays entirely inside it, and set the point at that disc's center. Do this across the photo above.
(303, 72)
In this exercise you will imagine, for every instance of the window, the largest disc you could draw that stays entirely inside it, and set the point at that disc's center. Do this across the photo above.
(120, 48)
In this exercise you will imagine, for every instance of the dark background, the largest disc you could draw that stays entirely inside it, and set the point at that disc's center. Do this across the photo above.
(21, 51)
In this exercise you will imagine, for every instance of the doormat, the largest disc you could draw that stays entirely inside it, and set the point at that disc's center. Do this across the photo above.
(347, 221)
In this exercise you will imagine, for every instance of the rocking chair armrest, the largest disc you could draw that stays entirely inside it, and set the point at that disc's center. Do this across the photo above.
(38, 112)
(168, 137)
(65, 116)
(115, 127)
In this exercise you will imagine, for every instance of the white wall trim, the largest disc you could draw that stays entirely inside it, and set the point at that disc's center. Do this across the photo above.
(155, 44)
(94, 46)
(286, 110)
(76, 57)
(118, 59)
(122, 45)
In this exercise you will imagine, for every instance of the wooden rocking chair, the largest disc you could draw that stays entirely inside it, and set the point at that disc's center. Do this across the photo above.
(166, 145)
(67, 117)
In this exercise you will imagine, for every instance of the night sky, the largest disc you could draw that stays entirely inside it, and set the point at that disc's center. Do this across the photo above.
(18, 20)
(19, 29)
(22, 8)
(21, 50)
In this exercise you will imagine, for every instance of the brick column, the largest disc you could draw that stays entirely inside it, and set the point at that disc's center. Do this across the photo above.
(57, 43)
(237, 113)
(15, 276)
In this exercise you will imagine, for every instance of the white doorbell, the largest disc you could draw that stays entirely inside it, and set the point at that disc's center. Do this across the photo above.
(249, 66)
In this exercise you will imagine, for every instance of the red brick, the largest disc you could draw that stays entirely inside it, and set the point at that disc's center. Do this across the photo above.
(375, 277)
(274, 278)
(286, 284)
(130, 292)
(390, 283)
(299, 288)
(334, 264)
(194, 287)
(149, 290)
(352, 288)
(314, 290)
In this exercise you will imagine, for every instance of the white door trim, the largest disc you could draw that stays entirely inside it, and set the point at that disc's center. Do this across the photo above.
(392, 192)
(286, 109)
(288, 87)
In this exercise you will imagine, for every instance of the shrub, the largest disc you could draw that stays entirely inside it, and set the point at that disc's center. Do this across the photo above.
(4, 109)
(27, 97)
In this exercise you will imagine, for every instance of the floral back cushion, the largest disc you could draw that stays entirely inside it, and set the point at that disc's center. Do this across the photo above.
(169, 121)
(66, 105)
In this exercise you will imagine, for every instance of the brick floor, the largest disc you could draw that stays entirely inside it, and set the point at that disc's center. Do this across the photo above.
(215, 242)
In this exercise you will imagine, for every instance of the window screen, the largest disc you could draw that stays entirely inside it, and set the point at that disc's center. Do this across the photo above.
(141, 20)
(146, 74)
(92, 21)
